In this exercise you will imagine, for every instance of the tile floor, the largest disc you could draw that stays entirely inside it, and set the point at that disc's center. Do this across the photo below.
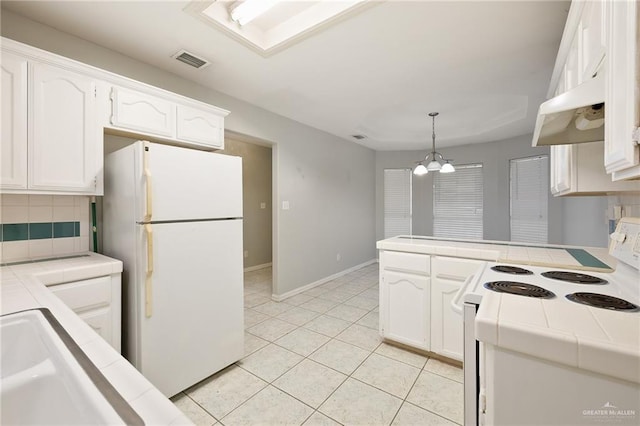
(317, 359)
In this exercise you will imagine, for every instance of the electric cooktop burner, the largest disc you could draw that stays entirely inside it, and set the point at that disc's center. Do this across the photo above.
(573, 277)
(520, 289)
(511, 270)
(602, 301)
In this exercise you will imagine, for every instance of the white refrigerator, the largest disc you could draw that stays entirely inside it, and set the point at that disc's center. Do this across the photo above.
(174, 217)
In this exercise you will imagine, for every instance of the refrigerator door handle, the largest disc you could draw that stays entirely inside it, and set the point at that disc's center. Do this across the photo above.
(147, 179)
(148, 304)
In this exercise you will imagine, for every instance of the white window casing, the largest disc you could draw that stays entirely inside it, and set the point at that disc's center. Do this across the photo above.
(397, 202)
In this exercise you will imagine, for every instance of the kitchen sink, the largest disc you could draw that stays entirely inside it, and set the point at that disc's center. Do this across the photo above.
(45, 378)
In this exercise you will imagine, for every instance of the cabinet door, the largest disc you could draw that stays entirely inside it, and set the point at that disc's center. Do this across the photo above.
(621, 95)
(142, 113)
(446, 325)
(405, 308)
(100, 321)
(201, 127)
(13, 170)
(592, 40)
(64, 140)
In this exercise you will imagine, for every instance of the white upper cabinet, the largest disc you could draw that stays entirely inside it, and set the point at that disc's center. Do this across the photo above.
(13, 170)
(621, 154)
(592, 41)
(167, 118)
(64, 149)
(51, 142)
(142, 113)
(200, 127)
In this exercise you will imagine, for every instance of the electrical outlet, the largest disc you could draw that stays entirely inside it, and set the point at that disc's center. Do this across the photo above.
(246, 254)
(263, 205)
(338, 257)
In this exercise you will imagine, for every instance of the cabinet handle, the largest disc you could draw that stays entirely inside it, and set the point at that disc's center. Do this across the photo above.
(148, 304)
(147, 178)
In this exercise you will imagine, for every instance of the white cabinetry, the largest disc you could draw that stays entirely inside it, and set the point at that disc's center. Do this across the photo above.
(621, 156)
(13, 170)
(168, 119)
(578, 169)
(405, 287)
(98, 302)
(51, 141)
(448, 274)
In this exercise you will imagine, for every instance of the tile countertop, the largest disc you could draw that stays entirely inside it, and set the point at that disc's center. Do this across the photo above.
(569, 257)
(23, 286)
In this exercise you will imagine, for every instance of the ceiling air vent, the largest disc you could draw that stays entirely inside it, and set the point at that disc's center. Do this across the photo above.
(191, 59)
(359, 137)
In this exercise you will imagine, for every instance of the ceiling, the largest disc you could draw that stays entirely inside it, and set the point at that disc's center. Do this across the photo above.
(485, 66)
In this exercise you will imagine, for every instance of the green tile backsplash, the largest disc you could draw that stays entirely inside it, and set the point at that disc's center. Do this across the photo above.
(38, 231)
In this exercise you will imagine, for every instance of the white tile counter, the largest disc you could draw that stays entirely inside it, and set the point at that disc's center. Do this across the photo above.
(23, 286)
(504, 252)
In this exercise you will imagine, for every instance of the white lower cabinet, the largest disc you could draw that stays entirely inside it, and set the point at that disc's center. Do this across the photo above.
(405, 287)
(448, 275)
(98, 302)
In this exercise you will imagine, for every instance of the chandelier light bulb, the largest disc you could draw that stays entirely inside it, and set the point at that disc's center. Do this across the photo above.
(420, 170)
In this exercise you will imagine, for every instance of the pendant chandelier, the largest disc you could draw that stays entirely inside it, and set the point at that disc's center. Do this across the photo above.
(438, 162)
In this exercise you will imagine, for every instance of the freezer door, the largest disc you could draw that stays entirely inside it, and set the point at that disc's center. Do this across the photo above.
(187, 184)
(196, 327)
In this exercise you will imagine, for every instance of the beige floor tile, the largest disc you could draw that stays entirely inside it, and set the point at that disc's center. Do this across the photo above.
(333, 284)
(387, 374)
(193, 411)
(340, 356)
(362, 302)
(316, 291)
(253, 343)
(372, 293)
(319, 305)
(225, 390)
(402, 355)
(361, 336)
(302, 341)
(329, 326)
(445, 370)
(336, 296)
(319, 419)
(252, 317)
(310, 382)
(438, 394)
(298, 316)
(271, 329)
(298, 299)
(410, 415)
(355, 403)
(255, 299)
(347, 313)
(273, 308)
(270, 362)
(371, 320)
(270, 406)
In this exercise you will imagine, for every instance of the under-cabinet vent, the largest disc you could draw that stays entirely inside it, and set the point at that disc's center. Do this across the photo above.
(359, 137)
(191, 59)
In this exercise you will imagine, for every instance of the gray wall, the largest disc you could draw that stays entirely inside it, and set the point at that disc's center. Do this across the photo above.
(585, 221)
(256, 189)
(328, 181)
(494, 157)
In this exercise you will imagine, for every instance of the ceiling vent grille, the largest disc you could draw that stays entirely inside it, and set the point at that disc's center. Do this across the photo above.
(359, 137)
(191, 59)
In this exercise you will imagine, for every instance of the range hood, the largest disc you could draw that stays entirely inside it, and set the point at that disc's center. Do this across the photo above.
(575, 116)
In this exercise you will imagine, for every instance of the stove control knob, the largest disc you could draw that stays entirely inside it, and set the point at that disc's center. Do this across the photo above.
(618, 237)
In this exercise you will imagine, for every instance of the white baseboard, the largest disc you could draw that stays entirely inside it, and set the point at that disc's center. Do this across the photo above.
(281, 297)
(257, 267)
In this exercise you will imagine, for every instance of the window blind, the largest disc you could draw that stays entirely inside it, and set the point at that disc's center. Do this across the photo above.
(397, 202)
(529, 199)
(457, 203)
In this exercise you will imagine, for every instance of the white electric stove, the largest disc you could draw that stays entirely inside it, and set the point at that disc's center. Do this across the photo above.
(546, 345)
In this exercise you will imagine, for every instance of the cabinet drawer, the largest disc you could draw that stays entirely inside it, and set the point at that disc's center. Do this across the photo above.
(86, 294)
(411, 262)
(142, 113)
(198, 126)
(454, 268)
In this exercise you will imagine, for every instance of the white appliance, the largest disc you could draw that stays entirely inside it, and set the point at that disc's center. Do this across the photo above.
(552, 360)
(174, 217)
